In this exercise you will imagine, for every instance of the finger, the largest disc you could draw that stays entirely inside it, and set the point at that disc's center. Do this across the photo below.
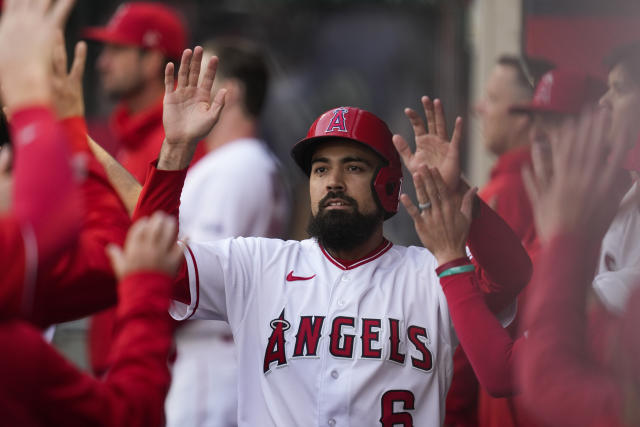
(59, 56)
(412, 209)
(169, 232)
(116, 256)
(430, 113)
(562, 145)
(5, 160)
(156, 227)
(446, 202)
(79, 61)
(169, 84)
(530, 185)
(210, 74)
(183, 71)
(136, 233)
(417, 124)
(583, 143)
(467, 203)
(194, 67)
(60, 12)
(403, 149)
(541, 161)
(421, 191)
(432, 189)
(457, 135)
(441, 123)
(218, 103)
(175, 257)
(600, 146)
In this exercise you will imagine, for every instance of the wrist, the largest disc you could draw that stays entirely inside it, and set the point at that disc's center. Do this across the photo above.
(175, 156)
(449, 256)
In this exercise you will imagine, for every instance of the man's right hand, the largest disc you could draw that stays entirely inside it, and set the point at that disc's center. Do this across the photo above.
(190, 109)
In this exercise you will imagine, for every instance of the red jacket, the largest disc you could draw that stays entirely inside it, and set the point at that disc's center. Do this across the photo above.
(38, 387)
(578, 371)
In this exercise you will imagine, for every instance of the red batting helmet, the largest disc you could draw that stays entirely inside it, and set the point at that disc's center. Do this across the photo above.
(354, 124)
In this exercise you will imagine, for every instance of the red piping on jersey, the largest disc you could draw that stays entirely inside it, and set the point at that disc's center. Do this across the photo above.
(195, 268)
(384, 248)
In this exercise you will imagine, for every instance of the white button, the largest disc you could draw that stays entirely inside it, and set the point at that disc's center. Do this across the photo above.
(345, 279)
(331, 422)
(341, 302)
(335, 374)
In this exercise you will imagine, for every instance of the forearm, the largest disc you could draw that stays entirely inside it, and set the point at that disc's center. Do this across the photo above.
(490, 349)
(503, 266)
(559, 379)
(45, 196)
(126, 185)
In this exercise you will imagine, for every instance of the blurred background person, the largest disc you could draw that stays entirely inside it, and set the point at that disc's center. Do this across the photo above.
(505, 135)
(138, 41)
(236, 189)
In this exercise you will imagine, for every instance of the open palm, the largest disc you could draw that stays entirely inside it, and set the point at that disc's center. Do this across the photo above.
(433, 148)
(189, 112)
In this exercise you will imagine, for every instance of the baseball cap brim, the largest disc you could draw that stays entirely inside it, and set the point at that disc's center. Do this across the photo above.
(105, 35)
(532, 108)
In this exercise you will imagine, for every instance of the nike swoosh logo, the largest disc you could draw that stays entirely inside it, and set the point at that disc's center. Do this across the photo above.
(292, 278)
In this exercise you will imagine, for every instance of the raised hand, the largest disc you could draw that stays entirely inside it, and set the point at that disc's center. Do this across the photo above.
(150, 246)
(27, 33)
(433, 147)
(190, 111)
(443, 226)
(67, 86)
(584, 191)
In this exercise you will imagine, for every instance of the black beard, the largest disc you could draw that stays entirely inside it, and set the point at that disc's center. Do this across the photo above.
(339, 230)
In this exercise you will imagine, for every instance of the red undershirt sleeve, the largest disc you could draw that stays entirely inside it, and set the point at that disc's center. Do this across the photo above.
(490, 349)
(502, 264)
(161, 192)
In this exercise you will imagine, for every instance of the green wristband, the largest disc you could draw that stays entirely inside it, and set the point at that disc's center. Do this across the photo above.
(457, 270)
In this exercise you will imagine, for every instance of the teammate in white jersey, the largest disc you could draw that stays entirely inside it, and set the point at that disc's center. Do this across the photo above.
(345, 328)
(220, 200)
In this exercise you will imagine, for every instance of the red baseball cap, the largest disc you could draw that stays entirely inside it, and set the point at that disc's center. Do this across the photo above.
(146, 25)
(563, 92)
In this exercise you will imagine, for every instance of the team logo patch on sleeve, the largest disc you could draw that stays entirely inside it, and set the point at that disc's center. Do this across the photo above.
(339, 121)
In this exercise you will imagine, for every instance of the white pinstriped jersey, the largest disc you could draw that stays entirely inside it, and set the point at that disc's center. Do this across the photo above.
(321, 344)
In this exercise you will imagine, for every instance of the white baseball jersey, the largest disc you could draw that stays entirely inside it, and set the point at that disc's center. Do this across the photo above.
(321, 344)
(619, 267)
(220, 199)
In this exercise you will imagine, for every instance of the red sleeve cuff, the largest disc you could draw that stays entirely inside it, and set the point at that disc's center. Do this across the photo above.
(161, 191)
(76, 128)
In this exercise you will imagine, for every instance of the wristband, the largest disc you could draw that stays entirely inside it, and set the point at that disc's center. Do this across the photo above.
(457, 270)
(455, 263)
